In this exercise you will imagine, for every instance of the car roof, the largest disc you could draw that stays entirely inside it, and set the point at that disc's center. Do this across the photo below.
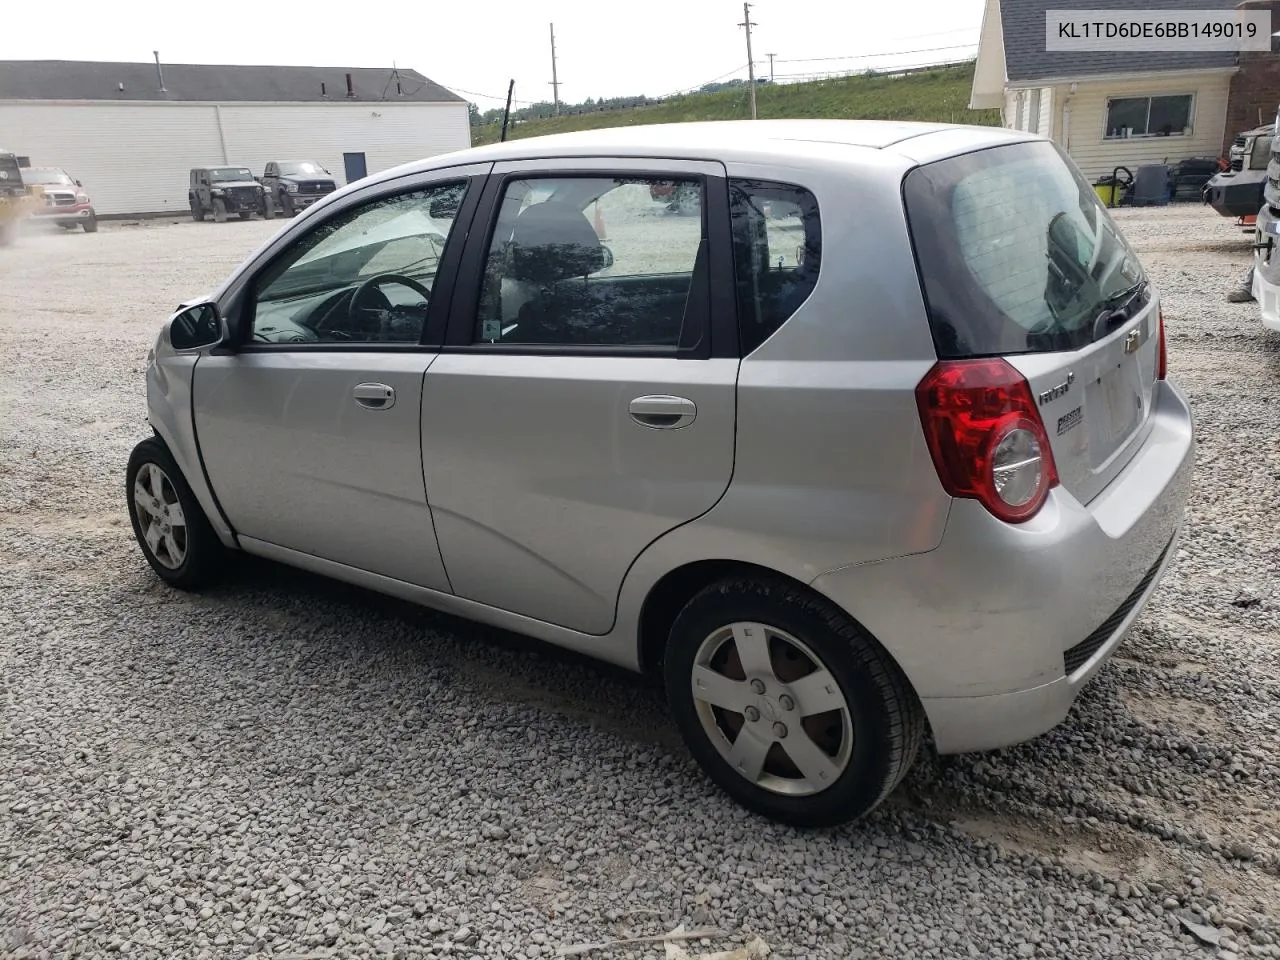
(738, 140)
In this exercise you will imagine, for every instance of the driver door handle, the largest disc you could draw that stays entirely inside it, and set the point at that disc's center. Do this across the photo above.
(374, 396)
(662, 412)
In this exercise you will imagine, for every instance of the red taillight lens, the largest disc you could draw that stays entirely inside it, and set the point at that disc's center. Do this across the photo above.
(1162, 361)
(986, 437)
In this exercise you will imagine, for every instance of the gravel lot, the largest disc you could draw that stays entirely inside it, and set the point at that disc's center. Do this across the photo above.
(290, 767)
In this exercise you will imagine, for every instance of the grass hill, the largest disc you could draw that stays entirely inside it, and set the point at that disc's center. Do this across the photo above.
(938, 95)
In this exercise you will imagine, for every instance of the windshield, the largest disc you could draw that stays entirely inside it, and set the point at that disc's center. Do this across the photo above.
(223, 174)
(1016, 252)
(305, 169)
(46, 177)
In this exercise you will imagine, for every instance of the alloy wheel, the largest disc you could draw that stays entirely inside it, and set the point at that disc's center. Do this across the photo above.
(772, 709)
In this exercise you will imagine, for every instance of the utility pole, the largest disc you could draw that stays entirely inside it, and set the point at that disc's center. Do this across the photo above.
(555, 81)
(506, 113)
(772, 55)
(751, 67)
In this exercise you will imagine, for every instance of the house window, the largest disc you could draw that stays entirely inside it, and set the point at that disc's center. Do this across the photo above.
(1148, 116)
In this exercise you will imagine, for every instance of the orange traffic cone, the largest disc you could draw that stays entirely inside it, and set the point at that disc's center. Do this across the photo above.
(598, 222)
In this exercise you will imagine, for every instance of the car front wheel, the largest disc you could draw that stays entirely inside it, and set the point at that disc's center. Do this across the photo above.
(90, 225)
(787, 704)
(167, 520)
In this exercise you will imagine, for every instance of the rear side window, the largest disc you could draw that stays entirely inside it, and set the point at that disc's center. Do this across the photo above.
(777, 246)
(1016, 253)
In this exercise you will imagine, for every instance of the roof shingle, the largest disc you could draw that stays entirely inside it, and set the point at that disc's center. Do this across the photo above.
(93, 80)
(1026, 58)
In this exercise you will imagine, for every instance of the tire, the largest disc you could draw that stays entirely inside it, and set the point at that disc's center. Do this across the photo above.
(187, 554)
(286, 203)
(865, 739)
(197, 211)
(219, 211)
(268, 209)
(90, 225)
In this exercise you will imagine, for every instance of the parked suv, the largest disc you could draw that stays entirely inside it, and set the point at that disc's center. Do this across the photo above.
(223, 191)
(900, 455)
(294, 185)
(65, 202)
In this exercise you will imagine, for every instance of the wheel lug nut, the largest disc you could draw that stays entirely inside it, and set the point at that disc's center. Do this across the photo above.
(752, 714)
(757, 686)
(786, 703)
(779, 730)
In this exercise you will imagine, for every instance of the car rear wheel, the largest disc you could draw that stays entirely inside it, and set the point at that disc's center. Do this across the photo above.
(167, 520)
(787, 704)
(90, 225)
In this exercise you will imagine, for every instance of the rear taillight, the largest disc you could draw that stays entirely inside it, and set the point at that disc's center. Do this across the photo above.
(1161, 357)
(986, 437)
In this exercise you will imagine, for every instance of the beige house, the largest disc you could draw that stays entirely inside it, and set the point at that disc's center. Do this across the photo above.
(1111, 109)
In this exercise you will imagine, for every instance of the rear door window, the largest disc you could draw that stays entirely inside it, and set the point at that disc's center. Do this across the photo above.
(777, 248)
(1017, 254)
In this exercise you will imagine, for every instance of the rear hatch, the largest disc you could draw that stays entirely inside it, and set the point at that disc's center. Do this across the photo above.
(1018, 259)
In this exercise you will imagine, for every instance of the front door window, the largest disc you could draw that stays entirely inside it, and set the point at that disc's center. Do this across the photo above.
(365, 276)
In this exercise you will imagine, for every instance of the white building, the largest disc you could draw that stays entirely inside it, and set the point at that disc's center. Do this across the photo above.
(130, 132)
(1127, 108)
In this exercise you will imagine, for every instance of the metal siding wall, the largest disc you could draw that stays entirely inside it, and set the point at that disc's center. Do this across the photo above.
(131, 158)
(399, 133)
(134, 158)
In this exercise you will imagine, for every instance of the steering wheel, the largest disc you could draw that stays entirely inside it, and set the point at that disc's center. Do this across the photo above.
(377, 281)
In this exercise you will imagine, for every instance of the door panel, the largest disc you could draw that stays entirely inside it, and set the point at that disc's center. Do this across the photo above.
(309, 451)
(545, 488)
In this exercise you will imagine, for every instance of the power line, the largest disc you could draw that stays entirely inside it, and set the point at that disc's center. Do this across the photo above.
(892, 53)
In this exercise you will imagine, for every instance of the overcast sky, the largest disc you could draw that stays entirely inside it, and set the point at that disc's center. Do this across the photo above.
(603, 48)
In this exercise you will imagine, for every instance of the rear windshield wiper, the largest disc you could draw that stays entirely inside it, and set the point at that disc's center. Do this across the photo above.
(1116, 309)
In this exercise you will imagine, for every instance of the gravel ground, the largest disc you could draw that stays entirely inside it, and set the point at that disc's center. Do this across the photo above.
(290, 767)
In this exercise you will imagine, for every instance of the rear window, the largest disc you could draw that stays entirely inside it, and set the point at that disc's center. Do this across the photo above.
(1016, 253)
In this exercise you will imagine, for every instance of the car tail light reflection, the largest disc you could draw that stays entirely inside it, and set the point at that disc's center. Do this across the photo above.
(986, 437)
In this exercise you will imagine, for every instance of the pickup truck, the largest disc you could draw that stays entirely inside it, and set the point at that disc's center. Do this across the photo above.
(294, 185)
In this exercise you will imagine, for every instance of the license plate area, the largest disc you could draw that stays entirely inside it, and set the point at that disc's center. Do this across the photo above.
(1117, 398)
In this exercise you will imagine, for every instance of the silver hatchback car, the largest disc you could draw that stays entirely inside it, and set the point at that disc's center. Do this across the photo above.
(847, 430)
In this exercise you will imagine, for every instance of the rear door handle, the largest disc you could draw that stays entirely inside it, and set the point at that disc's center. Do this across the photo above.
(374, 396)
(662, 412)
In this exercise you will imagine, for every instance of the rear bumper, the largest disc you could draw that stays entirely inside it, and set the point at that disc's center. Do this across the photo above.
(1001, 626)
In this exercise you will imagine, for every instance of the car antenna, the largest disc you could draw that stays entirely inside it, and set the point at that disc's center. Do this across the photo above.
(506, 113)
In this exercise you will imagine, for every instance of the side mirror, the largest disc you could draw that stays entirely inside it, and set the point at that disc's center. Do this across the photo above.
(606, 255)
(198, 326)
(79, 184)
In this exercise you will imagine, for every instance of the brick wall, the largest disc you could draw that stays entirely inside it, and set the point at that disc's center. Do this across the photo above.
(1256, 87)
